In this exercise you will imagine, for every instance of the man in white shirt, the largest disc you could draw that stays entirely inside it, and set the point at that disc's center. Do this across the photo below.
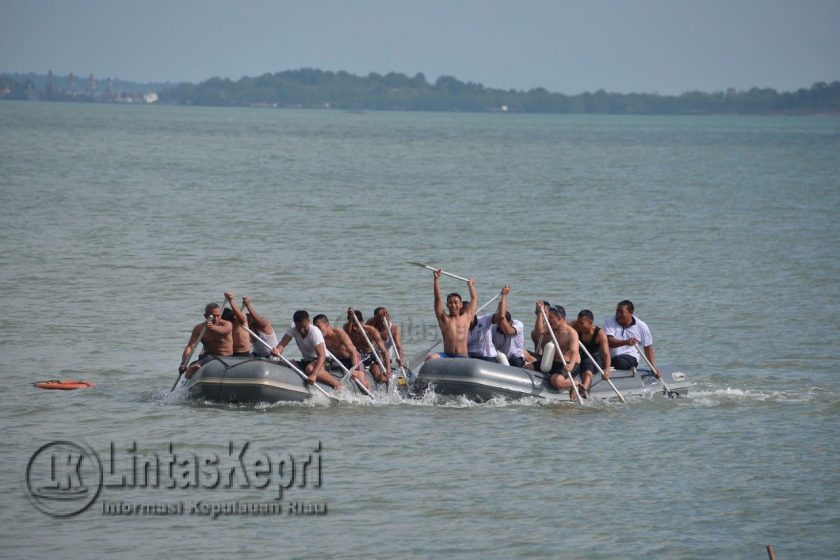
(623, 332)
(480, 337)
(509, 333)
(310, 342)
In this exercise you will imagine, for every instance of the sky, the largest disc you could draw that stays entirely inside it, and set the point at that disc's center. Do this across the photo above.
(566, 46)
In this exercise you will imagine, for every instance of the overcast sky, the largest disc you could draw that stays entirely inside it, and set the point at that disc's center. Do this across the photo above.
(665, 46)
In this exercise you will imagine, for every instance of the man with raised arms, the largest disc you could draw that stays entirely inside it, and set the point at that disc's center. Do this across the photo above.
(339, 344)
(508, 333)
(310, 342)
(624, 331)
(392, 339)
(568, 339)
(261, 325)
(455, 326)
(358, 339)
(216, 340)
(240, 335)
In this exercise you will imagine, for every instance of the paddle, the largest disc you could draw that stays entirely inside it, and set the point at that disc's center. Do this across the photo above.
(560, 353)
(359, 384)
(370, 345)
(653, 368)
(396, 350)
(421, 265)
(195, 347)
(601, 371)
(291, 365)
(420, 355)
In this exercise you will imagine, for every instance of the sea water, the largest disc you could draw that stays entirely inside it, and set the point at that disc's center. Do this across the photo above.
(119, 223)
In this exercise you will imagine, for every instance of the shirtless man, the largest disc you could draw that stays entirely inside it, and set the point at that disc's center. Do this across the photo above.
(310, 342)
(358, 339)
(262, 326)
(339, 344)
(454, 327)
(216, 340)
(393, 341)
(595, 340)
(568, 339)
(241, 337)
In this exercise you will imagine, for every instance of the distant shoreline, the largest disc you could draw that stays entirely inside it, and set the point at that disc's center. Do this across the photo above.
(316, 89)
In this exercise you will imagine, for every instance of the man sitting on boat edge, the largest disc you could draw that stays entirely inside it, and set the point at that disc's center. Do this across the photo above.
(454, 327)
(261, 325)
(241, 336)
(567, 337)
(216, 340)
(310, 342)
(594, 339)
(339, 344)
(360, 338)
(508, 334)
(624, 331)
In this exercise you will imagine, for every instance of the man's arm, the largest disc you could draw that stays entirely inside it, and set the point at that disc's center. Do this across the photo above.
(574, 351)
(539, 324)
(188, 349)
(262, 323)
(277, 350)
(500, 318)
(473, 299)
(222, 327)
(605, 352)
(240, 317)
(439, 311)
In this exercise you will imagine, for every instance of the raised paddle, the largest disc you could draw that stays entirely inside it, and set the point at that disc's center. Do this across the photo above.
(291, 365)
(370, 344)
(359, 384)
(421, 265)
(195, 347)
(653, 368)
(601, 371)
(420, 355)
(562, 359)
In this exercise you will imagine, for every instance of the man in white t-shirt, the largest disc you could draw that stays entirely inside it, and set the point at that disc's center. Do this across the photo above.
(623, 332)
(480, 337)
(509, 333)
(310, 342)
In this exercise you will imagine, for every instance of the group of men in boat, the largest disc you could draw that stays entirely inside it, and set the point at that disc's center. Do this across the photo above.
(466, 334)
(356, 346)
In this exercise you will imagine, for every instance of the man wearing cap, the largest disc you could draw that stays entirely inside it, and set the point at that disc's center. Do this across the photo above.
(624, 331)
(568, 339)
(509, 333)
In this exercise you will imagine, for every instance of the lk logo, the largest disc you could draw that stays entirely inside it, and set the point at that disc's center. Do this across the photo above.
(63, 478)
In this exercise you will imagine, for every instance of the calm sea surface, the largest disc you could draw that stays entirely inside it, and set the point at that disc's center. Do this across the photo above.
(119, 223)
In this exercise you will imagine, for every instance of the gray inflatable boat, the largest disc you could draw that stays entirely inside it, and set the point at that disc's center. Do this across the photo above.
(257, 380)
(479, 380)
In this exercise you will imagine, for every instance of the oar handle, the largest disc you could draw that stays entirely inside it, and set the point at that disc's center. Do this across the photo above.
(559, 352)
(653, 368)
(601, 371)
(422, 265)
(290, 364)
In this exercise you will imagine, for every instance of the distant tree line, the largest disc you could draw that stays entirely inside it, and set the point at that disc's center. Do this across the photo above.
(310, 88)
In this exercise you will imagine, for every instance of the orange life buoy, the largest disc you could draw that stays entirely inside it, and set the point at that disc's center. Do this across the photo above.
(65, 384)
